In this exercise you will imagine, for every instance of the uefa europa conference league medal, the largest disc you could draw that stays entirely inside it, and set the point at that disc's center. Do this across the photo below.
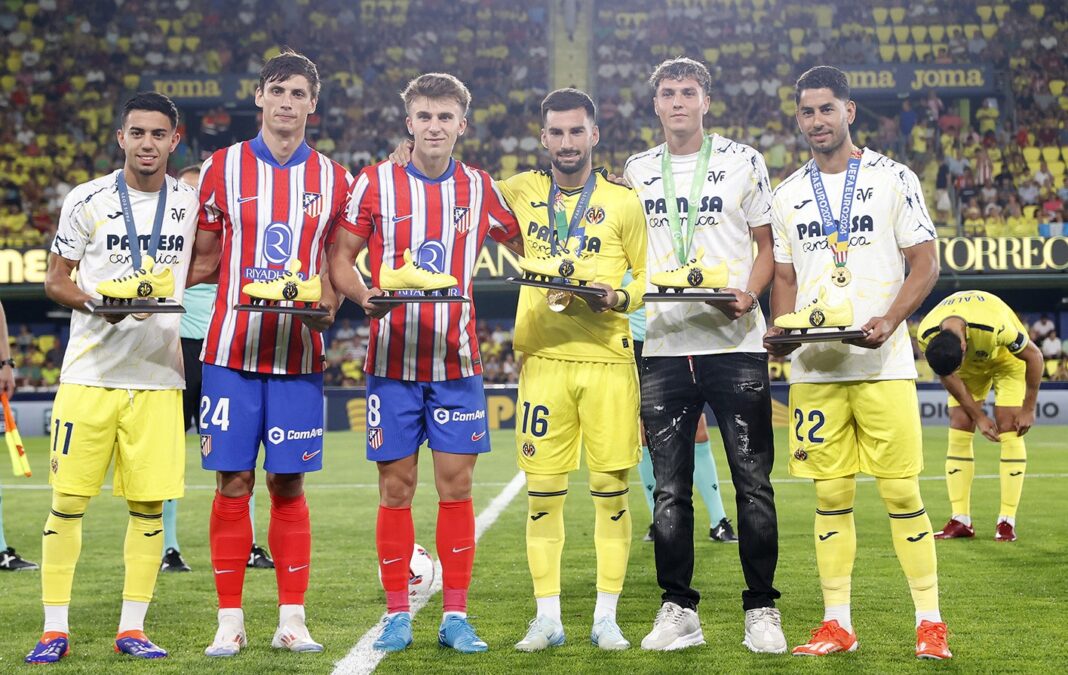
(410, 283)
(691, 273)
(144, 291)
(564, 273)
(288, 288)
(819, 313)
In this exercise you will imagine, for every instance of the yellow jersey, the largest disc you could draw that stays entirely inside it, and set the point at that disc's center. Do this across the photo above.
(993, 329)
(612, 232)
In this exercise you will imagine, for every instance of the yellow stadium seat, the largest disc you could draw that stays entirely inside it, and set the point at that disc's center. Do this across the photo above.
(984, 12)
(1000, 11)
(1032, 155)
(746, 49)
(901, 34)
(1051, 153)
(798, 52)
(30, 9)
(786, 369)
(164, 25)
(883, 33)
(880, 14)
(174, 43)
(971, 30)
(711, 55)
(1056, 167)
(192, 42)
(797, 35)
(1029, 211)
(897, 14)
(919, 33)
(922, 51)
(954, 30)
(905, 53)
(774, 370)
(7, 82)
(936, 33)
(990, 30)
(1037, 10)
(886, 52)
(1051, 367)
(1056, 87)
(1063, 102)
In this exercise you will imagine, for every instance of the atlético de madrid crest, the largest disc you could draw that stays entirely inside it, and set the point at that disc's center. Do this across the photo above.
(312, 204)
(461, 218)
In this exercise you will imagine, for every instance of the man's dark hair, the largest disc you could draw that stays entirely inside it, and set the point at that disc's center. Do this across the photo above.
(568, 99)
(289, 64)
(679, 69)
(153, 102)
(944, 354)
(823, 77)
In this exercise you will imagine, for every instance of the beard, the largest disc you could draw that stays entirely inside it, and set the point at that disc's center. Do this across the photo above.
(581, 161)
(835, 143)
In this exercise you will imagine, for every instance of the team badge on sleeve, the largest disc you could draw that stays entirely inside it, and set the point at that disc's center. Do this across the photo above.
(313, 204)
(461, 219)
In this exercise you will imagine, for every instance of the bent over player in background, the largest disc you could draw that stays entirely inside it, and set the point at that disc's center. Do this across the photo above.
(269, 205)
(424, 372)
(854, 406)
(120, 385)
(578, 387)
(974, 341)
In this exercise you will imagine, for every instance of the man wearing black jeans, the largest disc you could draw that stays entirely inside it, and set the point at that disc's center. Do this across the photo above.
(707, 200)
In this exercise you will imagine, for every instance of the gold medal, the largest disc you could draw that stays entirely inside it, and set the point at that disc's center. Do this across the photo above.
(558, 300)
(141, 316)
(841, 277)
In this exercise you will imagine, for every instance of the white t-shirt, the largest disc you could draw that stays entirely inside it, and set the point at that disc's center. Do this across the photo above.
(131, 354)
(736, 198)
(888, 214)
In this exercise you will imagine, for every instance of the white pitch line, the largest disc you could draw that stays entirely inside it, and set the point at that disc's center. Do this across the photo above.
(363, 658)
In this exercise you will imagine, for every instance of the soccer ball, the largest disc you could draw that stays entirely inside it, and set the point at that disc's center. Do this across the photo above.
(420, 573)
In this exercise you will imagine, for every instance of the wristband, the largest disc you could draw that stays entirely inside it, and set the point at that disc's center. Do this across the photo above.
(622, 302)
(7, 362)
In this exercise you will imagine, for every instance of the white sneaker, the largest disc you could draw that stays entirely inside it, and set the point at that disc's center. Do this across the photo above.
(763, 631)
(293, 635)
(543, 632)
(606, 635)
(229, 639)
(674, 628)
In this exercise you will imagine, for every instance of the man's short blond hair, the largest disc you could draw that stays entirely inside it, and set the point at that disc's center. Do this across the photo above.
(679, 69)
(437, 86)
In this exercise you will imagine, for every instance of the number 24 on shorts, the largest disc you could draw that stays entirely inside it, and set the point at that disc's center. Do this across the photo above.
(220, 417)
(815, 418)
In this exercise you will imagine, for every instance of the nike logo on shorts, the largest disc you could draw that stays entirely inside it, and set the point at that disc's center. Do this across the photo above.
(391, 561)
(296, 569)
(475, 438)
(306, 457)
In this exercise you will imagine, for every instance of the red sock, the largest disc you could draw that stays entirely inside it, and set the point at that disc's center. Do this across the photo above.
(230, 533)
(456, 550)
(289, 536)
(395, 538)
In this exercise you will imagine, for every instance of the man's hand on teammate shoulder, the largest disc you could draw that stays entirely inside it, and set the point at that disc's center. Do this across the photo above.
(402, 154)
(618, 180)
(1023, 421)
(604, 302)
(779, 349)
(878, 329)
(742, 304)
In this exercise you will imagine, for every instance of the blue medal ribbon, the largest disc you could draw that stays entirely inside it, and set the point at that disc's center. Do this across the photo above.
(558, 214)
(128, 219)
(837, 231)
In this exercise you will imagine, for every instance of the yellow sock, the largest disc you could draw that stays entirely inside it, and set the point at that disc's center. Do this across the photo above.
(1013, 468)
(545, 531)
(960, 469)
(836, 538)
(612, 528)
(143, 550)
(913, 538)
(61, 544)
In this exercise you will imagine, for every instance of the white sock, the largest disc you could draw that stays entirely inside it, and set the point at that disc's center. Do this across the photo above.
(841, 614)
(962, 519)
(606, 606)
(232, 613)
(446, 615)
(932, 615)
(287, 612)
(549, 606)
(1007, 519)
(56, 618)
(133, 615)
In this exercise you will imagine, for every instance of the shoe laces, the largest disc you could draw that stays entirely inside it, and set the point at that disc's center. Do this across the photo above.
(669, 613)
(932, 632)
(826, 632)
(133, 275)
(768, 614)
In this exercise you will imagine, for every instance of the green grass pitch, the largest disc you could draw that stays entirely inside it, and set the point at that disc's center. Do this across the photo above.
(1004, 603)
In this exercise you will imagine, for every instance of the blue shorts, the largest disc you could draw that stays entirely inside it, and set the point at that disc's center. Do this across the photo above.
(402, 415)
(239, 410)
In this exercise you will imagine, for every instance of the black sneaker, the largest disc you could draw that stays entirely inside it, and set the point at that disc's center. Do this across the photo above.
(258, 558)
(648, 535)
(172, 562)
(13, 562)
(723, 532)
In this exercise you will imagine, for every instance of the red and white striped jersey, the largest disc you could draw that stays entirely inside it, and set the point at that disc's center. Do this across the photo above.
(267, 214)
(444, 222)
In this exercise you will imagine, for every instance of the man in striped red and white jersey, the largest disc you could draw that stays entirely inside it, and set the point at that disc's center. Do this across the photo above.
(265, 203)
(424, 374)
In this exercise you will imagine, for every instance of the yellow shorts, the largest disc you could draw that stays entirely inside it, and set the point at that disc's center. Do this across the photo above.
(565, 405)
(141, 428)
(1005, 373)
(841, 428)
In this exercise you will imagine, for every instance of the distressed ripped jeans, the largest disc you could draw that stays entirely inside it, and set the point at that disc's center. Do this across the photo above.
(674, 392)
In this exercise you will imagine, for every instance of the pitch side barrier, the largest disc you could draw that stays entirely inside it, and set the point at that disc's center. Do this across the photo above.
(346, 407)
